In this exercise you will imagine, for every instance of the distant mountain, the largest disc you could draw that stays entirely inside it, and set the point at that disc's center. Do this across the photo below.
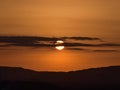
(108, 77)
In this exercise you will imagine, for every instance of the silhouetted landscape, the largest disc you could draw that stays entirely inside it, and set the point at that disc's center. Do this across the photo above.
(16, 78)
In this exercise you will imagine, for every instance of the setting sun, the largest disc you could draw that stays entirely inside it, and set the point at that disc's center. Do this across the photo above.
(59, 47)
(59, 42)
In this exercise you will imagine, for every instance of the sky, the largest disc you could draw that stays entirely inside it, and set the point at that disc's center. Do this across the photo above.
(60, 17)
(89, 28)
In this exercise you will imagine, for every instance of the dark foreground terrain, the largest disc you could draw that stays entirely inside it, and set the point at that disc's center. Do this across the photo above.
(15, 78)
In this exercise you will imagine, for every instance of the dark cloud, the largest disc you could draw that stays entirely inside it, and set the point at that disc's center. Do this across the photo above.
(77, 44)
(91, 45)
(79, 49)
(105, 51)
(109, 44)
(31, 41)
(36, 41)
(91, 50)
(83, 49)
(82, 38)
(32, 45)
(22, 39)
(26, 41)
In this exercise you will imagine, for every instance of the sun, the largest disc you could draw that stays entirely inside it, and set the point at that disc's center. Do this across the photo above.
(59, 45)
(59, 42)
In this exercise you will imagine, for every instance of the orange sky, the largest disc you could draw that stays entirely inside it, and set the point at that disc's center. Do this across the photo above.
(54, 18)
(60, 17)
(54, 60)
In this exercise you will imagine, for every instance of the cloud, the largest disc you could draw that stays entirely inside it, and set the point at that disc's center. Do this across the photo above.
(27, 41)
(25, 38)
(77, 49)
(82, 38)
(109, 44)
(90, 50)
(32, 41)
(105, 51)
(92, 45)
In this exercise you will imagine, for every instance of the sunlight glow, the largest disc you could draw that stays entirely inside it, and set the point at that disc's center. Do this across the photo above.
(59, 42)
(59, 47)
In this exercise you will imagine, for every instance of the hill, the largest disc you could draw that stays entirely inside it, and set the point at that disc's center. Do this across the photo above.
(104, 77)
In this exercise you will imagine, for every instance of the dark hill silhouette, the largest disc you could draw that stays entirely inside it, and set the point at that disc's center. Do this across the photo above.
(96, 78)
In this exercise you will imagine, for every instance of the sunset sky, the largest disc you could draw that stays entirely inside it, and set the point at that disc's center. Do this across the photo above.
(90, 30)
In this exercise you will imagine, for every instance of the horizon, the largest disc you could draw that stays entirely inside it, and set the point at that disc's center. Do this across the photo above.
(61, 71)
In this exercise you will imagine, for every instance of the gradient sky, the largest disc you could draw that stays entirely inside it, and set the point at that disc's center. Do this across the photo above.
(58, 18)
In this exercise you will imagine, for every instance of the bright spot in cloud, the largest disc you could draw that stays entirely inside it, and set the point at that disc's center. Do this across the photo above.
(59, 47)
(59, 42)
